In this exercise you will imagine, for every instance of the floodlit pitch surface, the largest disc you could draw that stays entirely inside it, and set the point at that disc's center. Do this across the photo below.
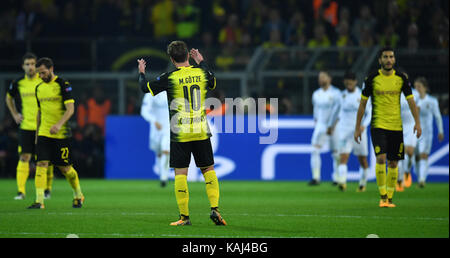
(135, 209)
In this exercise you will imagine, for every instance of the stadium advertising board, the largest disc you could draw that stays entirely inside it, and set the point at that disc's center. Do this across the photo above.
(239, 155)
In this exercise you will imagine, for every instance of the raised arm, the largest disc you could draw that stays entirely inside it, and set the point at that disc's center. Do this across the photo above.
(142, 80)
(195, 54)
(153, 87)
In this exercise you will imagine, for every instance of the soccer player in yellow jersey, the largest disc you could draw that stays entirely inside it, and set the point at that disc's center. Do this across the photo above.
(22, 91)
(186, 89)
(55, 107)
(385, 87)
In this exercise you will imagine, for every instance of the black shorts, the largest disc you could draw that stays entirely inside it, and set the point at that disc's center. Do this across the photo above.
(57, 151)
(26, 141)
(180, 154)
(389, 143)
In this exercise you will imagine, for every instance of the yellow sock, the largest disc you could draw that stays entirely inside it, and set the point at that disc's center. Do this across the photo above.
(23, 171)
(392, 176)
(72, 178)
(49, 177)
(182, 194)
(212, 188)
(40, 181)
(380, 170)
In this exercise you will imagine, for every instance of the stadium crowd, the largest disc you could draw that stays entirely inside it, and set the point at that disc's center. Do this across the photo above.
(311, 23)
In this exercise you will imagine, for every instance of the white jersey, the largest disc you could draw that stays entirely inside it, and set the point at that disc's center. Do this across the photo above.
(407, 117)
(346, 114)
(429, 108)
(155, 109)
(347, 110)
(324, 101)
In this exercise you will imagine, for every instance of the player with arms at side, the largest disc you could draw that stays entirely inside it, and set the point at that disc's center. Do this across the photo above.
(385, 87)
(345, 115)
(22, 91)
(55, 107)
(324, 100)
(429, 108)
(155, 111)
(186, 89)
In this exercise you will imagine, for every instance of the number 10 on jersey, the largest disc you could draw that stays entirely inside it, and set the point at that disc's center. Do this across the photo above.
(192, 96)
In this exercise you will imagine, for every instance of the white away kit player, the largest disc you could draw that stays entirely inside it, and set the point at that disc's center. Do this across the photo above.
(324, 101)
(345, 114)
(155, 111)
(410, 143)
(429, 108)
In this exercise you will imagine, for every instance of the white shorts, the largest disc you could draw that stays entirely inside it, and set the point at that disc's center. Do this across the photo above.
(425, 141)
(320, 137)
(160, 142)
(347, 143)
(409, 138)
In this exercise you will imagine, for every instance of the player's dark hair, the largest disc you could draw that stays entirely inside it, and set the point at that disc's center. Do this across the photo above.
(424, 81)
(47, 62)
(178, 51)
(349, 75)
(28, 55)
(383, 49)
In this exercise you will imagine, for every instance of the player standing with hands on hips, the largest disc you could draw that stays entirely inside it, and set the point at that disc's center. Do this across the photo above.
(385, 87)
(186, 89)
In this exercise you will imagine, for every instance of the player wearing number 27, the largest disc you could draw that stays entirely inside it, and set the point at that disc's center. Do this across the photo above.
(186, 89)
(55, 107)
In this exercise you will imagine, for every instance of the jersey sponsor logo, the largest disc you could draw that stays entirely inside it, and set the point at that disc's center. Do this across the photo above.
(386, 92)
(50, 99)
(27, 94)
(68, 89)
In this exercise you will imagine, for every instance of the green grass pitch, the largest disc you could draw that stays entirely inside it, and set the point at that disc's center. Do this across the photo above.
(141, 208)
